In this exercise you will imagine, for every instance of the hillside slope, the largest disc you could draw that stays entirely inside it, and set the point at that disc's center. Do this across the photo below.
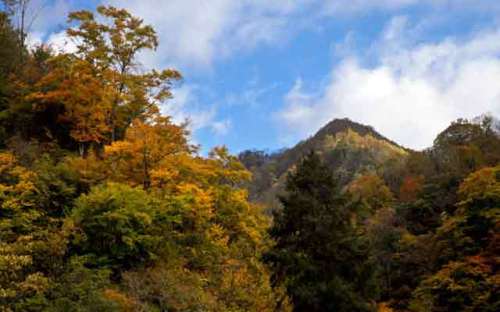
(347, 147)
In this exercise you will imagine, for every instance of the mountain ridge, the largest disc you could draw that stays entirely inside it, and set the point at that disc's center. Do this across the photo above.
(349, 148)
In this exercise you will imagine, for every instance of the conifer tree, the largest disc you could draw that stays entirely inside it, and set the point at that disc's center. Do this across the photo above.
(318, 256)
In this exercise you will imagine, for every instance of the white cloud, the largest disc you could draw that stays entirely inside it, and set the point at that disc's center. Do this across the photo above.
(185, 106)
(413, 92)
(34, 39)
(222, 127)
(61, 42)
(440, 80)
(198, 32)
(195, 32)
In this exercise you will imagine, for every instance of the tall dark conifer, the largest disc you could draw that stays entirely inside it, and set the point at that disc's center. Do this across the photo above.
(318, 255)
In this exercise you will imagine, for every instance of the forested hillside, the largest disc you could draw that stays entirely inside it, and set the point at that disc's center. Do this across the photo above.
(348, 149)
(416, 231)
(106, 205)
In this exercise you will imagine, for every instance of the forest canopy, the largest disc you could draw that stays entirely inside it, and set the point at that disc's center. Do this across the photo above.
(107, 205)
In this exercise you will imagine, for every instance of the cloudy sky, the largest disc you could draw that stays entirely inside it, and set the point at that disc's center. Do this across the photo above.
(267, 73)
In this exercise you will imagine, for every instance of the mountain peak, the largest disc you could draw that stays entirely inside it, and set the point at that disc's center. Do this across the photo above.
(340, 125)
(343, 124)
(348, 148)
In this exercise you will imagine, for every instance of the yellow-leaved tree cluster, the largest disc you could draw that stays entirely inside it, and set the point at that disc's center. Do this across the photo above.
(105, 205)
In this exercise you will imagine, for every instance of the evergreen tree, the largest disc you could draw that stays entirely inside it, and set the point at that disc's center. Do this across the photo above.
(8, 61)
(319, 256)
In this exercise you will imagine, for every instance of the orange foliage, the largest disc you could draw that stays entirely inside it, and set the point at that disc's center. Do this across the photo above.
(126, 304)
(383, 307)
(410, 188)
(146, 144)
(86, 101)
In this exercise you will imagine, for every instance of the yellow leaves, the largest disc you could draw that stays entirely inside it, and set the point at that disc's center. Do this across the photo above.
(370, 185)
(158, 137)
(199, 195)
(34, 283)
(7, 161)
(241, 196)
(409, 239)
(228, 168)
(194, 215)
(16, 260)
(125, 303)
(81, 16)
(7, 293)
(11, 261)
(26, 234)
(480, 182)
(224, 233)
(368, 141)
(480, 192)
(16, 183)
(91, 169)
(200, 208)
(176, 171)
(218, 236)
(182, 167)
(168, 172)
(371, 192)
(144, 147)
(118, 148)
(244, 286)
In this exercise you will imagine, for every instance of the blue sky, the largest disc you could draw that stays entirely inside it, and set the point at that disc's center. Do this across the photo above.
(265, 74)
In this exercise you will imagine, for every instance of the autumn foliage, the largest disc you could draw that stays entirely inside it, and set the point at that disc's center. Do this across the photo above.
(106, 205)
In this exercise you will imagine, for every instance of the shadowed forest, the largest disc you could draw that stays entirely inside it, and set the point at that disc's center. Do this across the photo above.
(107, 205)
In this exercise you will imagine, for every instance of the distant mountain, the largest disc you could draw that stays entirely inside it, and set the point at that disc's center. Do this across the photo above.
(347, 147)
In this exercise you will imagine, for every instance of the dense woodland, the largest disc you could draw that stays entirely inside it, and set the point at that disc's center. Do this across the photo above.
(105, 205)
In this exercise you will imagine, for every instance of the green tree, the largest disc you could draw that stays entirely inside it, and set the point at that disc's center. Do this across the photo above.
(115, 225)
(80, 289)
(8, 60)
(319, 257)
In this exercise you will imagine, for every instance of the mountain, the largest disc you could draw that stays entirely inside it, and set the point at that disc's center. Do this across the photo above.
(347, 147)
